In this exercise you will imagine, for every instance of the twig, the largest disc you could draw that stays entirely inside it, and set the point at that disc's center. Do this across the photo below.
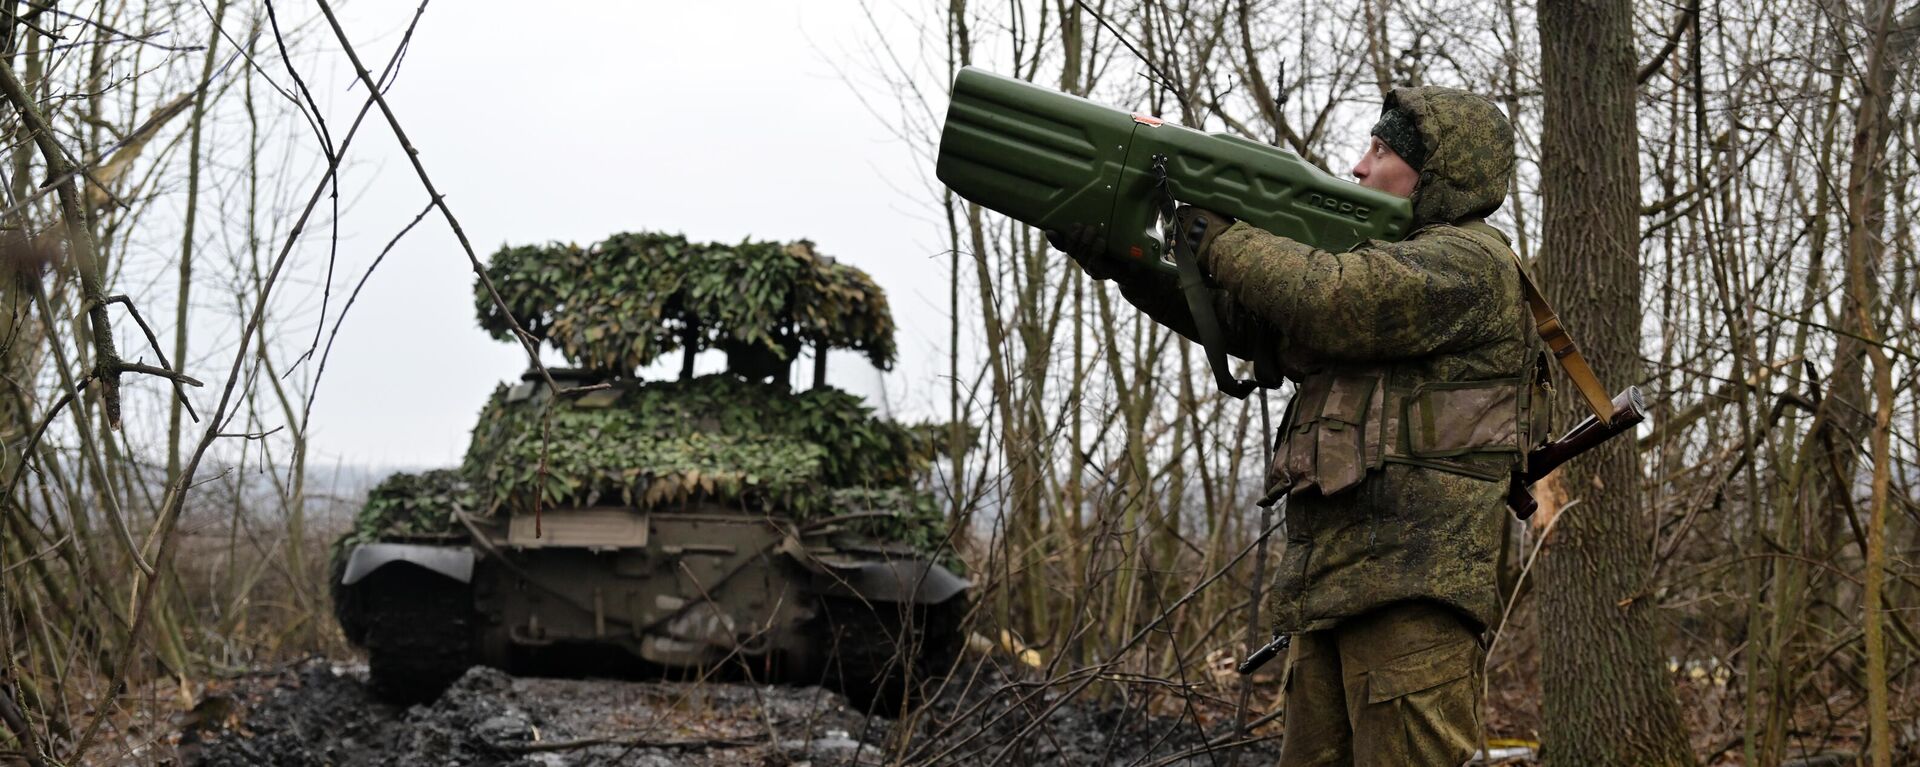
(16, 721)
(154, 342)
(575, 745)
(1161, 77)
(1520, 581)
(33, 442)
(82, 426)
(319, 122)
(315, 119)
(146, 39)
(1259, 572)
(1653, 65)
(57, 177)
(157, 372)
(327, 353)
(1837, 331)
(28, 23)
(253, 435)
(79, 239)
(1210, 748)
(41, 554)
(439, 201)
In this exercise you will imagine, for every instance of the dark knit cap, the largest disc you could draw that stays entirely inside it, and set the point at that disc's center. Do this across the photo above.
(1398, 131)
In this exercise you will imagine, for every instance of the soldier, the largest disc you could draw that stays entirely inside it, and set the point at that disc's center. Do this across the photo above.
(1418, 372)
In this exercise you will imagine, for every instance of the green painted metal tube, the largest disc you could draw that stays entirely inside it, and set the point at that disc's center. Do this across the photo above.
(1052, 160)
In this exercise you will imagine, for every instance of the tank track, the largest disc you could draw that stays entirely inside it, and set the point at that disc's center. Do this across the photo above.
(419, 633)
(882, 661)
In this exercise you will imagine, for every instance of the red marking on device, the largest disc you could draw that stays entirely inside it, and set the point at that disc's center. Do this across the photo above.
(1134, 251)
(1147, 120)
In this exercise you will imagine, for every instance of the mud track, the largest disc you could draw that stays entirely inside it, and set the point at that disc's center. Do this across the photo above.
(323, 714)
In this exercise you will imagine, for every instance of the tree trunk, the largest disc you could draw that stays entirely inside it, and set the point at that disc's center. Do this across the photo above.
(1866, 214)
(1607, 701)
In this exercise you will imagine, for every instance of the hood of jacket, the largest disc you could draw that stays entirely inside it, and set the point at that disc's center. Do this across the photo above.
(1470, 158)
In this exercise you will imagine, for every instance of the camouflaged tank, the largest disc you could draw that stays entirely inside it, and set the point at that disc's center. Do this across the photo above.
(612, 522)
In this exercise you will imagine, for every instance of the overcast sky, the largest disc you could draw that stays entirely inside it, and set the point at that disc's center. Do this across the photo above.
(720, 119)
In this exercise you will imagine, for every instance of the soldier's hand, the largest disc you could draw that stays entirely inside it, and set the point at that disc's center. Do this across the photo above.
(1200, 226)
(1083, 244)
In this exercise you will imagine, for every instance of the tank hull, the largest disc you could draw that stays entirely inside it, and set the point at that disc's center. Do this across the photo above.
(699, 592)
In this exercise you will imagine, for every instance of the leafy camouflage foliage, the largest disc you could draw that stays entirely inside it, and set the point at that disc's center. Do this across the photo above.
(620, 304)
(714, 438)
(408, 504)
(807, 455)
(896, 514)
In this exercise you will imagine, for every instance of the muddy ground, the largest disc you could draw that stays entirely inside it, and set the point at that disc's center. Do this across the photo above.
(321, 713)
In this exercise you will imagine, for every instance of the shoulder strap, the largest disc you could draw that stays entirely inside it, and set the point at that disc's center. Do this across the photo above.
(1200, 304)
(1552, 331)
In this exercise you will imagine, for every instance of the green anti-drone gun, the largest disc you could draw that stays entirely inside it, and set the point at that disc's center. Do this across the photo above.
(1056, 161)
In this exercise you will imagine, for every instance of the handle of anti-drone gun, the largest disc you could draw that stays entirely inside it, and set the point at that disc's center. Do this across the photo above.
(1193, 284)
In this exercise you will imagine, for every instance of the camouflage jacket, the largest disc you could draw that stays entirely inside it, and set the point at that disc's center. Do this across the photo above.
(1417, 370)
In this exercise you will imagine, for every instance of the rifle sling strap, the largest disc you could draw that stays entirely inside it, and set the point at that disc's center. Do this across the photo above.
(1560, 342)
(1552, 331)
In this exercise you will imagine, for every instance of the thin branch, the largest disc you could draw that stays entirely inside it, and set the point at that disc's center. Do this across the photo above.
(1653, 65)
(526, 339)
(1838, 331)
(64, 174)
(1158, 76)
(154, 342)
(146, 39)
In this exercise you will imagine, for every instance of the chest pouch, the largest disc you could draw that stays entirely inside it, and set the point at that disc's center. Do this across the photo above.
(1451, 419)
(1331, 439)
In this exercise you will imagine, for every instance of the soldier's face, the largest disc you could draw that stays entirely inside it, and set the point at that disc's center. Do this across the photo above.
(1381, 168)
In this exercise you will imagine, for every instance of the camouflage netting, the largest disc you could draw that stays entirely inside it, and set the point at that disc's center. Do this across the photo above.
(620, 304)
(408, 505)
(712, 438)
(753, 446)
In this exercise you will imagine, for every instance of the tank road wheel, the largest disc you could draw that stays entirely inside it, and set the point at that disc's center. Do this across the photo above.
(419, 632)
(886, 656)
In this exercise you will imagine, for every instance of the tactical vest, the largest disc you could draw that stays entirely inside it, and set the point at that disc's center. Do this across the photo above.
(1345, 422)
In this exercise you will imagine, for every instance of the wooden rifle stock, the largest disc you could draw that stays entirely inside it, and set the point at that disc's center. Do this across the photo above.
(1629, 409)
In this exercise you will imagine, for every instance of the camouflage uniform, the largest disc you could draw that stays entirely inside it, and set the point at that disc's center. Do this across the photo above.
(1417, 370)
